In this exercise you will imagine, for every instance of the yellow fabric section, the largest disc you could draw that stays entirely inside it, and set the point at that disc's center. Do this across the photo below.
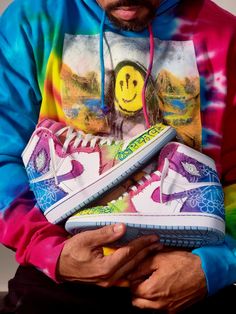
(51, 96)
(230, 209)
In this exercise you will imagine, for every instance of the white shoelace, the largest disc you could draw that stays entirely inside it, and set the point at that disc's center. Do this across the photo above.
(148, 177)
(79, 138)
(83, 139)
(162, 175)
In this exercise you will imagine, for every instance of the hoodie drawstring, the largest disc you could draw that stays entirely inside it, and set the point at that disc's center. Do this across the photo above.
(149, 72)
(104, 107)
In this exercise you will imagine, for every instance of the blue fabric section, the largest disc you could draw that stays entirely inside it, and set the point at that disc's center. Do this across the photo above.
(103, 105)
(28, 32)
(166, 5)
(219, 264)
(19, 104)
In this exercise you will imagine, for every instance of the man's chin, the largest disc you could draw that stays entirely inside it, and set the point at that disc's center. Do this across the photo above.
(133, 25)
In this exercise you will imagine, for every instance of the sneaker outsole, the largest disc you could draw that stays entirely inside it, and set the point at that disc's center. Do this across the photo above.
(177, 236)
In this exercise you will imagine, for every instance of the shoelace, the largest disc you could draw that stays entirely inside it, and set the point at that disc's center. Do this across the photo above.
(162, 175)
(148, 177)
(83, 139)
(79, 138)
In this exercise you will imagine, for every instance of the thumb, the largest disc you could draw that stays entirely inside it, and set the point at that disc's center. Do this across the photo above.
(105, 235)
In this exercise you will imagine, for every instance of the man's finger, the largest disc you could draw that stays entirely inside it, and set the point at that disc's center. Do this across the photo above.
(144, 269)
(145, 288)
(124, 254)
(146, 304)
(134, 262)
(104, 235)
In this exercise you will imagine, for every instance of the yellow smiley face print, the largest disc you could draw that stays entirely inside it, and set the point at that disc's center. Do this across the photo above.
(128, 88)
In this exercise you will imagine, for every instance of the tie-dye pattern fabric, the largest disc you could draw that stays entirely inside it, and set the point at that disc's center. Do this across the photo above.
(50, 69)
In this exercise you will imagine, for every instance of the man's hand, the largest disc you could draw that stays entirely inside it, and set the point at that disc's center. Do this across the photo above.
(170, 281)
(82, 258)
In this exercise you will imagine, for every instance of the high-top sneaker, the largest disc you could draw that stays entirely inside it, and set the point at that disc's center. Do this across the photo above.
(182, 202)
(68, 169)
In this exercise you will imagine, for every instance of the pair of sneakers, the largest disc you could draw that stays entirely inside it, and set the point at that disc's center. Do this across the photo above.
(182, 201)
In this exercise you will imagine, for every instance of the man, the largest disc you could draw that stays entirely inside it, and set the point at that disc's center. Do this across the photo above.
(62, 60)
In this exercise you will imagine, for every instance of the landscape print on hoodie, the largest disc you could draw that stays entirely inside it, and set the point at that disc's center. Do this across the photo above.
(172, 94)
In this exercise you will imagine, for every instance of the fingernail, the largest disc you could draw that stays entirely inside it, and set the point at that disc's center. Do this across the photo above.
(118, 228)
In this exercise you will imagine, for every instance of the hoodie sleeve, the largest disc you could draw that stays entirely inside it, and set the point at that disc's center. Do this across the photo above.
(219, 263)
(23, 227)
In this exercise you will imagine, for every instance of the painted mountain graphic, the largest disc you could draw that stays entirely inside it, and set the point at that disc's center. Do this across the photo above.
(81, 101)
(179, 104)
(170, 85)
(75, 87)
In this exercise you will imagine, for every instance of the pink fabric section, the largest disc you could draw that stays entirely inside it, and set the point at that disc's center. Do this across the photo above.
(216, 63)
(37, 242)
(215, 59)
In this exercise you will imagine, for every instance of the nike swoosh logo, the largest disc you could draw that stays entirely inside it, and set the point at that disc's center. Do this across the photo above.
(77, 170)
(178, 195)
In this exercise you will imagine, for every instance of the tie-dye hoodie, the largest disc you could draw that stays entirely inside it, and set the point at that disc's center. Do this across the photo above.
(51, 62)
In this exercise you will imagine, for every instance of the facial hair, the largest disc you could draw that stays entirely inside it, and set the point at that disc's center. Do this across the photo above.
(135, 25)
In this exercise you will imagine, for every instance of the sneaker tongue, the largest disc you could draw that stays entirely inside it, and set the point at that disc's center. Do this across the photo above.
(62, 137)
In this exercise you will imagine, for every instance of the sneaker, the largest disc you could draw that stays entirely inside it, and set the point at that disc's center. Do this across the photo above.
(68, 169)
(182, 202)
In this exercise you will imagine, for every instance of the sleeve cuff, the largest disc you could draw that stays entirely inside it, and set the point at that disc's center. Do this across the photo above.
(44, 255)
(219, 264)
